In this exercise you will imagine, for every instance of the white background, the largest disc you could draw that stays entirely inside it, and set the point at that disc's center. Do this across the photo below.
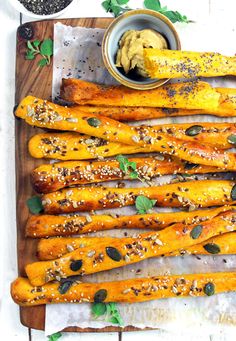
(222, 12)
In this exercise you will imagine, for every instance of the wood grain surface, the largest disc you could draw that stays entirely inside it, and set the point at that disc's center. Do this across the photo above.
(30, 81)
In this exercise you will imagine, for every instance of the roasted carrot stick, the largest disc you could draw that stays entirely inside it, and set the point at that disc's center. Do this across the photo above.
(190, 95)
(129, 291)
(108, 254)
(54, 248)
(45, 114)
(200, 193)
(39, 226)
(51, 177)
(185, 64)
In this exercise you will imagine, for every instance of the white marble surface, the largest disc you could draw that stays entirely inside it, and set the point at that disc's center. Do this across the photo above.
(223, 13)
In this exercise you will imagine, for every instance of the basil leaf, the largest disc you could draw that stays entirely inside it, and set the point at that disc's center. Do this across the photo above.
(144, 204)
(35, 205)
(99, 309)
(46, 48)
(173, 16)
(55, 336)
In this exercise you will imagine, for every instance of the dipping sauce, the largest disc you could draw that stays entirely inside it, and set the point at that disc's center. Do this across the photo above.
(131, 45)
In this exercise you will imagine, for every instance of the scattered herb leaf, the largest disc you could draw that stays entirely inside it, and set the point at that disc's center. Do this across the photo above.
(43, 48)
(99, 309)
(42, 62)
(173, 16)
(55, 336)
(144, 204)
(35, 205)
(116, 7)
(110, 310)
(127, 167)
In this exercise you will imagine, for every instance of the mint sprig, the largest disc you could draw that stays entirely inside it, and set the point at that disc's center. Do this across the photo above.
(174, 16)
(143, 204)
(43, 48)
(35, 205)
(116, 7)
(109, 311)
(55, 336)
(127, 167)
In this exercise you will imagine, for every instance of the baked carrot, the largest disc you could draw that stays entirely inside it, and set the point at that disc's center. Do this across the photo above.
(39, 226)
(51, 177)
(107, 254)
(226, 107)
(45, 114)
(129, 291)
(185, 64)
(200, 193)
(189, 95)
(53, 248)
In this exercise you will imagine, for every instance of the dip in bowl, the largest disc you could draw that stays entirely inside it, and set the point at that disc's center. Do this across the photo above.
(123, 36)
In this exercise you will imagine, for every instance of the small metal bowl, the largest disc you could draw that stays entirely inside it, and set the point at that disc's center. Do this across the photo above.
(136, 20)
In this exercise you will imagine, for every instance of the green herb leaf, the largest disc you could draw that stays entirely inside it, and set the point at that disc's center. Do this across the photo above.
(46, 48)
(30, 55)
(36, 43)
(154, 5)
(42, 62)
(127, 167)
(133, 175)
(122, 2)
(30, 46)
(173, 16)
(55, 336)
(35, 205)
(99, 309)
(115, 6)
(144, 204)
(110, 310)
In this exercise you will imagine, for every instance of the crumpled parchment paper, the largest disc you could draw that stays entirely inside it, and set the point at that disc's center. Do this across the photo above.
(77, 53)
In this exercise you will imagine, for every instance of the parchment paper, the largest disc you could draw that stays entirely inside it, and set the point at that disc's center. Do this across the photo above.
(77, 53)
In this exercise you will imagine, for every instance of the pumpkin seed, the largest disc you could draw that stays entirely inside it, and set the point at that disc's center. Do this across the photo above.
(75, 265)
(196, 231)
(209, 289)
(94, 122)
(64, 287)
(233, 193)
(212, 248)
(190, 165)
(113, 253)
(193, 130)
(100, 296)
(232, 139)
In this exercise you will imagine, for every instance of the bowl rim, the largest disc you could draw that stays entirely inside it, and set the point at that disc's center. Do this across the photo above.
(106, 59)
(21, 8)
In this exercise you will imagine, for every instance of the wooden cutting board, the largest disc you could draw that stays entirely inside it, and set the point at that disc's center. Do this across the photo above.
(36, 83)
